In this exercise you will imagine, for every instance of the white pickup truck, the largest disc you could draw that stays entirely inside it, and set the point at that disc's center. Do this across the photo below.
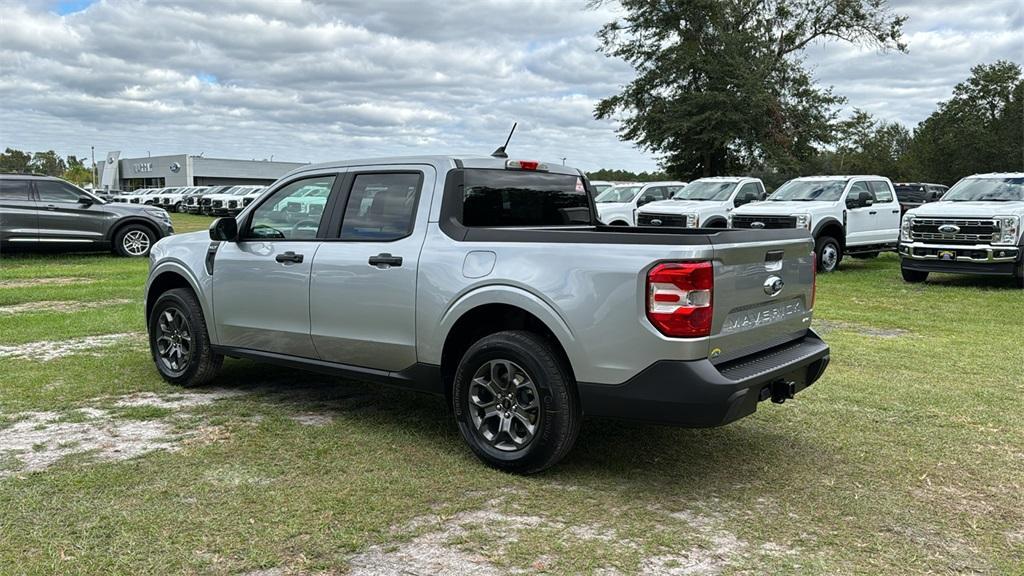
(703, 203)
(974, 229)
(855, 215)
(617, 206)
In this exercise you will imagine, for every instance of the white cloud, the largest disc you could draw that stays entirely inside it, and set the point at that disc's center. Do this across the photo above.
(318, 80)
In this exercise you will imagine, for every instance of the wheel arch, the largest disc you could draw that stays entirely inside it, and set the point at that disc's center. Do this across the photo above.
(169, 276)
(480, 319)
(715, 222)
(122, 223)
(831, 227)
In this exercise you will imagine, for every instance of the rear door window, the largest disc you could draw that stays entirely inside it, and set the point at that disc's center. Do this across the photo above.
(14, 190)
(381, 207)
(881, 191)
(492, 198)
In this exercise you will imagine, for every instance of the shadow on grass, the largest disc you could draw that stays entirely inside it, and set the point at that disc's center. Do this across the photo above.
(609, 455)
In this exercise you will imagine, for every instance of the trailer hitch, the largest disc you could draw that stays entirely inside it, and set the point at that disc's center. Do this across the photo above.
(783, 390)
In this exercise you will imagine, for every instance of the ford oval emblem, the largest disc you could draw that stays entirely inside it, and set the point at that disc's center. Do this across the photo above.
(773, 286)
(949, 229)
(758, 225)
(655, 222)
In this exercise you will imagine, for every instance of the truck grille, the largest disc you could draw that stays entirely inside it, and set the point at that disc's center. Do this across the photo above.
(744, 221)
(205, 201)
(971, 231)
(675, 220)
(217, 204)
(233, 204)
(166, 201)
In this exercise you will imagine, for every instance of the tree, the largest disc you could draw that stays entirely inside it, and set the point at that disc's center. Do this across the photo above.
(626, 176)
(979, 129)
(720, 84)
(48, 163)
(77, 172)
(15, 161)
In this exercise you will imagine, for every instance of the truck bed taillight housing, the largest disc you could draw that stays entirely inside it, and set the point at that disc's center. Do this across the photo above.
(680, 298)
(814, 278)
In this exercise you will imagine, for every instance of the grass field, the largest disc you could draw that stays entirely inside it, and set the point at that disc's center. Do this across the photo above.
(907, 458)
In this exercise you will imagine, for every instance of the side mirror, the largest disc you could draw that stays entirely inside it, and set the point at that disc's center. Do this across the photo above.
(85, 201)
(645, 200)
(741, 200)
(862, 200)
(224, 230)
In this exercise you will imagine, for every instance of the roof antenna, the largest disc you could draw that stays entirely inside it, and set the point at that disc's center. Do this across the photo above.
(500, 152)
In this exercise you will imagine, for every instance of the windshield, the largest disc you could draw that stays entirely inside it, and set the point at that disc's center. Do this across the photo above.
(809, 191)
(600, 187)
(986, 190)
(617, 194)
(705, 190)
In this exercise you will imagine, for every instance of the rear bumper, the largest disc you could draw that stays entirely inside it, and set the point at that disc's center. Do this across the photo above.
(698, 394)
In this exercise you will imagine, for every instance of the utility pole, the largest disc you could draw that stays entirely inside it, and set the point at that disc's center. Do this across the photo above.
(563, 160)
(92, 149)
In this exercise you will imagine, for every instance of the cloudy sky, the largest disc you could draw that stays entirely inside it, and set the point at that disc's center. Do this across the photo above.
(311, 80)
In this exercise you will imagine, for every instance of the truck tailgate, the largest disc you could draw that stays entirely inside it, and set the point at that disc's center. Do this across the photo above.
(763, 293)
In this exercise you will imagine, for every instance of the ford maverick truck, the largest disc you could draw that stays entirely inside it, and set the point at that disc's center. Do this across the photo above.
(974, 229)
(490, 282)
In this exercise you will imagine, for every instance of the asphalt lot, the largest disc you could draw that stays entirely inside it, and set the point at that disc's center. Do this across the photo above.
(907, 458)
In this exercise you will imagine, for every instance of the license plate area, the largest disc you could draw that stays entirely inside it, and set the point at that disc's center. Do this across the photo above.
(948, 255)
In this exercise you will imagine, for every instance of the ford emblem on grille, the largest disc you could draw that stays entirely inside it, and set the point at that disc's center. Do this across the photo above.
(773, 285)
(757, 225)
(949, 229)
(655, 222)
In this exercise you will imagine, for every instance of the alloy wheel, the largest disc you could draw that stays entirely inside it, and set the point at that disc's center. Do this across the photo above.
(135, 242)
(504, 405)
(173, 340)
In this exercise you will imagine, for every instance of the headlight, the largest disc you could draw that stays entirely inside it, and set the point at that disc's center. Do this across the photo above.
(908, 223)
(1009, 229)
(803, 221)
(159, 213)
(691, 220)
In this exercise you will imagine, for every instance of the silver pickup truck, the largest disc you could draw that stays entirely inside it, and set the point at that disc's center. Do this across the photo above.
(490, 282)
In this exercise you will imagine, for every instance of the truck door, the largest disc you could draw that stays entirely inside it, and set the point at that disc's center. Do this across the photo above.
(860, 222)
(261, 281)
(17, 213)
(887, 213)
(363, 291)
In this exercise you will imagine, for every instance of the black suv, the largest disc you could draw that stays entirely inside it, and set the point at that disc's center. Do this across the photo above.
(913, 194)
(42, 211)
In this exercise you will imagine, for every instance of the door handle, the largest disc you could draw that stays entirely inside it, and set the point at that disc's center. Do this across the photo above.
(385, 259)
(289, 256)
(51, 207)
(873, 212)
(895, 211)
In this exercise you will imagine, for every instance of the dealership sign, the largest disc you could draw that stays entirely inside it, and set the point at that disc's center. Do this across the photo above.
(139, 167)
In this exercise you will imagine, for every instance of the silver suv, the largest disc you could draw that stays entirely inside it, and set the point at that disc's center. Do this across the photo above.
(489, 282)
(42, 211)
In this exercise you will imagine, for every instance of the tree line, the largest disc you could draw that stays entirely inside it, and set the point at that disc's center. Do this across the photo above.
(49, 163)
(721, 88)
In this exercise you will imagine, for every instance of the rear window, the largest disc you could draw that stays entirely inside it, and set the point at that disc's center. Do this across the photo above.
(515, 198)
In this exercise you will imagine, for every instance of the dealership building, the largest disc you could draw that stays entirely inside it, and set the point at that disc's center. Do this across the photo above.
(116, 173)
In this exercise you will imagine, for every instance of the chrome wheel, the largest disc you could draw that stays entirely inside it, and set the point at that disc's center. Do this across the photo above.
(504, 405)
(173, 341)
(135, 242)
(829, 257)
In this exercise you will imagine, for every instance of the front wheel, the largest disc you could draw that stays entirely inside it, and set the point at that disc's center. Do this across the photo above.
(134, 240)
(913, 276)
(179, 342)
(515, 402)
(1019, 276)
(829, 252)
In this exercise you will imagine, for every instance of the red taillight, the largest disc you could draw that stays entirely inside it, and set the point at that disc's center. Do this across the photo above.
(814, 278)
(679, 298)
(525, 165)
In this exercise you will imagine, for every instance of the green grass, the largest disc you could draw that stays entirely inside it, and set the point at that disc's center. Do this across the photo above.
(907, 458)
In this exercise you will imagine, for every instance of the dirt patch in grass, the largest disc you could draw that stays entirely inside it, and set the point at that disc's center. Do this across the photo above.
(59, 306)
(826, 326)
(57, 281)
(47, 350)
(37, 440)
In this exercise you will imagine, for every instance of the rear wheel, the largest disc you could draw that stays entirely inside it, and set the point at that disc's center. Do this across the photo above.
(179, 342)
(134, 240)
(913, 276)
(829, 252)
(515, 403)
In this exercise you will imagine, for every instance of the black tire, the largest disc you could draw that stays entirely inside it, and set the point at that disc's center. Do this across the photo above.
(716, 224)
(176, 207)
(829, 253)
(619, 223)
(134, 241)
(558, 414)
(913, 276)
(202, 363)
(1019, 276)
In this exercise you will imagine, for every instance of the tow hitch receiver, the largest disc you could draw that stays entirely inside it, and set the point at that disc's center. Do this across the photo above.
(783, 390)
